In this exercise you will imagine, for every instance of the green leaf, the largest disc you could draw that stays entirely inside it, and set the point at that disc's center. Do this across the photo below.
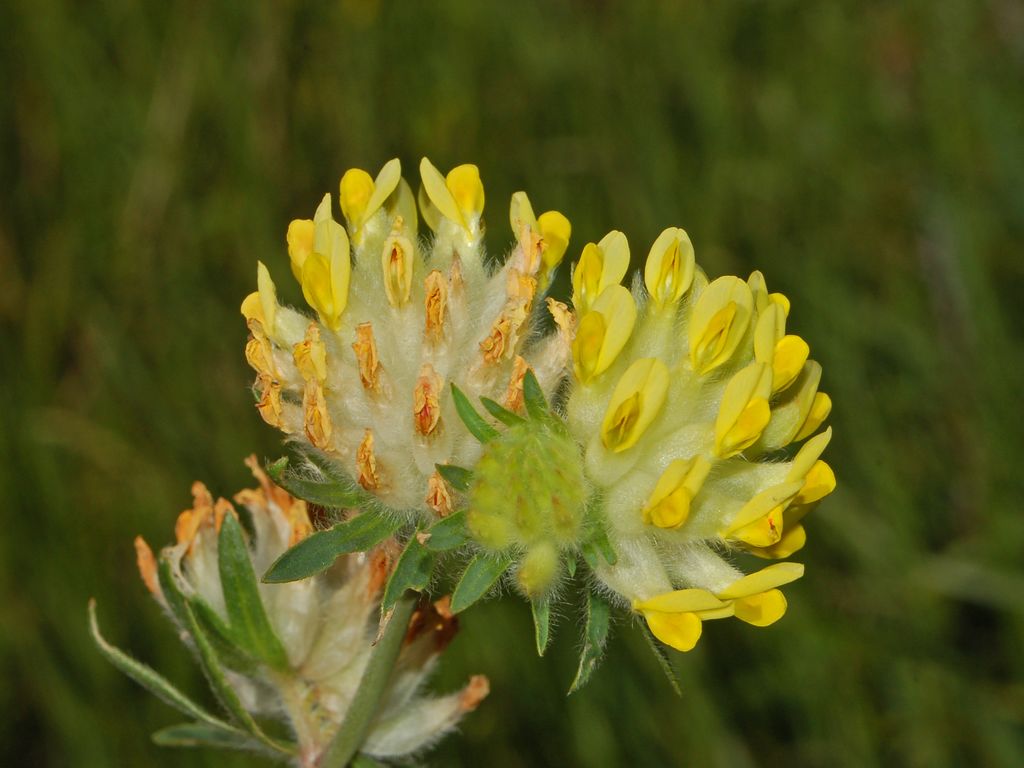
(247, 616)
(412, 571)
(533, 396)
(365, 761)
(204, 735)
(447, 533)
(149, 678)
(211, 663)
(541, 623)
(221, 637)
(663, 660)
(458, 477)
(474, 422)
(478, 578)
(501, 413)
(598, 546)
(330, 491)
(594, 637)
(318, 551)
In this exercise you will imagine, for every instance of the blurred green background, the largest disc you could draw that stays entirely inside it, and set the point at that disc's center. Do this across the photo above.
(867, 156)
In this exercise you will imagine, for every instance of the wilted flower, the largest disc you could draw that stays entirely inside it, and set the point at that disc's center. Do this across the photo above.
(294, 653)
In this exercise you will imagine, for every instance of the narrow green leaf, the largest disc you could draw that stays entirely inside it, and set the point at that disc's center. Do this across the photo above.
(412, 571)
(211, 664)
(501, 413)
(594, 637)
(221, 637)
(148, 677)
(541, 624)
(474, 422)
(533, 396)
(204, 735)
(317, 552)
(458, 477)
(328, 491)
(247, 616)
(447, 533)
(598, 547)
(570, 565)
(478, 578)
(663, 660)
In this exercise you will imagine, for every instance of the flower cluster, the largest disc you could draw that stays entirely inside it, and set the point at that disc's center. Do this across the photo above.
(294, 652)
(676, 400)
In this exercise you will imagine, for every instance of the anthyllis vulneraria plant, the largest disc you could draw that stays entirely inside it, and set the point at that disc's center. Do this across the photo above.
(638, 450)
(648, 436)
(295, 656)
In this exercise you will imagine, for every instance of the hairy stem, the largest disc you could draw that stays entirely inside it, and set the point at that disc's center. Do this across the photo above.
(376, 676)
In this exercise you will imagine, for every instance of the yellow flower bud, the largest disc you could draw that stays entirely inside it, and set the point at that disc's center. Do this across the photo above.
(603, 332)
(719, 322)
(670, 265)
(636, 401)
(360, 196)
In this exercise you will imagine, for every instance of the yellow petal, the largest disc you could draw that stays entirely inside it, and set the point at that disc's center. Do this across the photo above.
(467, 190)
(767, 578)
(744, 411)
(669, 269)
(431, 215)
(719, 322)
(252, 309)
(520, 214)
(603, 332)
(600, 265)
(300, 243)
(790, 355)
(436, 189)
(761, 610)
(354, 192)
(636, 401)
(758, 290)
(771, 326)
(818, 484)
(385, 183)
(761, 506)
(396, 260)
(669, 503)
(680, 601)
(808, 454)
(268, 298)
(555, 231)
(820, 408)
(678, 630)
(793, 539)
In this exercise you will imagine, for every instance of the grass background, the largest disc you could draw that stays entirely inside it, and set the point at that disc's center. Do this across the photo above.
(865, 155)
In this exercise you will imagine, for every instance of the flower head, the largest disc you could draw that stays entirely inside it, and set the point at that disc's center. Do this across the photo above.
(295, 652)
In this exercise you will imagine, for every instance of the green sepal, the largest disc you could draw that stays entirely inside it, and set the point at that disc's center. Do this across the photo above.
(211, 663)
(474, 422)
(570, 564)
(480, 575)
(594, 638)
(318, 551)
(447, 533)
(333, 492)
(412, 571)
(533, 397)
(247, 616)
(501, 413)
(541, 610)
(458, 478)
(150, 679)
(663, 660)
(205, 735)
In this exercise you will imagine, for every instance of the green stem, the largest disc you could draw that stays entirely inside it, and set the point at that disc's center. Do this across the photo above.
(376, 676)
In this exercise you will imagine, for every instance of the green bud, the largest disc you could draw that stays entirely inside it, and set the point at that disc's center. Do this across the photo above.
(538, 569)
